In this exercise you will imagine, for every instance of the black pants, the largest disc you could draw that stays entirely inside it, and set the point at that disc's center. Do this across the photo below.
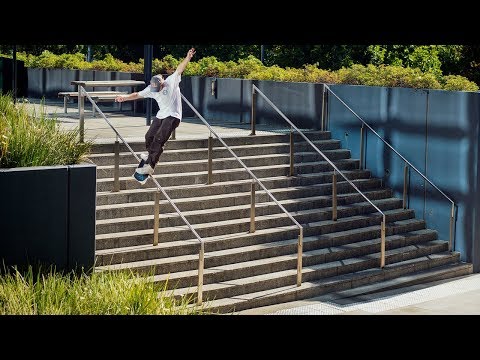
(156, 137)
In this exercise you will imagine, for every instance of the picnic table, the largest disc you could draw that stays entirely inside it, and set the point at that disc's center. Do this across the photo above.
(101, 83)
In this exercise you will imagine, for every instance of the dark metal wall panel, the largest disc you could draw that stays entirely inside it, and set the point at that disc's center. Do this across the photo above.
(81, 206)
(437, 131)
(369, 103)
(33, 222)
(230, 101)
(452, 163)
(299, 102)
(405, 130)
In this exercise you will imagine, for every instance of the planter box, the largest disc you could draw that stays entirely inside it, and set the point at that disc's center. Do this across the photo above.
(48, 216)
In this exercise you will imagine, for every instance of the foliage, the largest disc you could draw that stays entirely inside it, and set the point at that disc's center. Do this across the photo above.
(390, 76)
(101, 293)
(389, 65)
(458, 83)
(35, 140)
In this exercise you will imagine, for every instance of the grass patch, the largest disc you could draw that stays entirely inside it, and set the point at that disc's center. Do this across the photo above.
(99, 293)
(35, 140)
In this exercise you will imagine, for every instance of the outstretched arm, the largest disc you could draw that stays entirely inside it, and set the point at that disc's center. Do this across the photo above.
(132, 96)
(185, 61)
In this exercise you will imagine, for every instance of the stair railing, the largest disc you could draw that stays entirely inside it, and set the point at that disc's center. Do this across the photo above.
(406, 168)
(116, 187)
(252, 192)
(256, 90)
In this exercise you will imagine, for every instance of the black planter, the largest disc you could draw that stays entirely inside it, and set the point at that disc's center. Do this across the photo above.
(47, 216)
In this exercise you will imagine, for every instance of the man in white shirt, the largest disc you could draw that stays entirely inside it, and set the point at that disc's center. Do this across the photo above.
(167, 94)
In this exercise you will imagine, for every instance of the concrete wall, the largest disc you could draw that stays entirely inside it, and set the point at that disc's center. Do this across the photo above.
(233, 97)
(437, 131)
(49, 82)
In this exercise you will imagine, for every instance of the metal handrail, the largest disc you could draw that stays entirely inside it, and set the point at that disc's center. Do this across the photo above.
(201, 260)
(382, 226)
(405, 160)
(300, 236)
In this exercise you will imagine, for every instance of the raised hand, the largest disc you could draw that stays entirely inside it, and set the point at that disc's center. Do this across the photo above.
(191, 52)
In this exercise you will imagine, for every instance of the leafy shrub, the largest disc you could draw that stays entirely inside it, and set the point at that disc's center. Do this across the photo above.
(247, 65)
(273, 72)
(458, 83)
(108, 63)
(390, 76)
(28, 140)
(313, 74)
(210, 66)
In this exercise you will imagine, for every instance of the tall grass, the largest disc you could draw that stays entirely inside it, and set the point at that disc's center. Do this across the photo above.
(28, 139)
(100, 293)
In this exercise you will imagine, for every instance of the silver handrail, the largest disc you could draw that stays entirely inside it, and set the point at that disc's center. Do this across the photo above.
(201, 257)
(452, 213)
(382, 226)
(300, 236)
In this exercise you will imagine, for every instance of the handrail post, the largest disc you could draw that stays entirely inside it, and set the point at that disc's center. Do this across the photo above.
(334, 196)
(327, 112)
(156, 217)
(254, 110)
(362, 149)
(382, 243)
(292, 159)
(210, 155)
(201, 264)
(450, 241)
(300, 257)
(252, 207)
(323, 109)
(405, 188)
(116, 169)
(81, 113)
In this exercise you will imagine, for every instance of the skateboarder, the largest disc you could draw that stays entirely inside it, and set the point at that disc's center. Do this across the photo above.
(167, 94)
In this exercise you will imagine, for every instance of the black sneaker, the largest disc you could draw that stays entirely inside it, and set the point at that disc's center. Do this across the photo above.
(141, 178)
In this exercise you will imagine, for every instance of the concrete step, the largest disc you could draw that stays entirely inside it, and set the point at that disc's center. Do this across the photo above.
(106, 147)
(107, 171)
(267, 214)
(107, 158)
(275, 279)
(426, 276)
(444, 265)
(295, 196)
(218, 228)
(233, 263)
(286, 236)
(322, 182)
(200, 177)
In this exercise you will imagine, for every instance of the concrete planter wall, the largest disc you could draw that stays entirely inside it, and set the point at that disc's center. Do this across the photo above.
(49, 82)
(6, 77)
(233, 98)
(48, 216)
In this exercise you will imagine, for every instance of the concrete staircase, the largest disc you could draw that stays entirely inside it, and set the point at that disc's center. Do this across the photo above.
(245, 270)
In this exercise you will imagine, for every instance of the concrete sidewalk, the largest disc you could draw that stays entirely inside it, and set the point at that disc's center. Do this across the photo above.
(133, 128)
(459, 296)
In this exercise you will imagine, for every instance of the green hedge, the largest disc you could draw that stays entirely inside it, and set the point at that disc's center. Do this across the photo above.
(252, 68)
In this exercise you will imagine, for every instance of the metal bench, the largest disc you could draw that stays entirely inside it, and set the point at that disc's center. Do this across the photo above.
(98, 96)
